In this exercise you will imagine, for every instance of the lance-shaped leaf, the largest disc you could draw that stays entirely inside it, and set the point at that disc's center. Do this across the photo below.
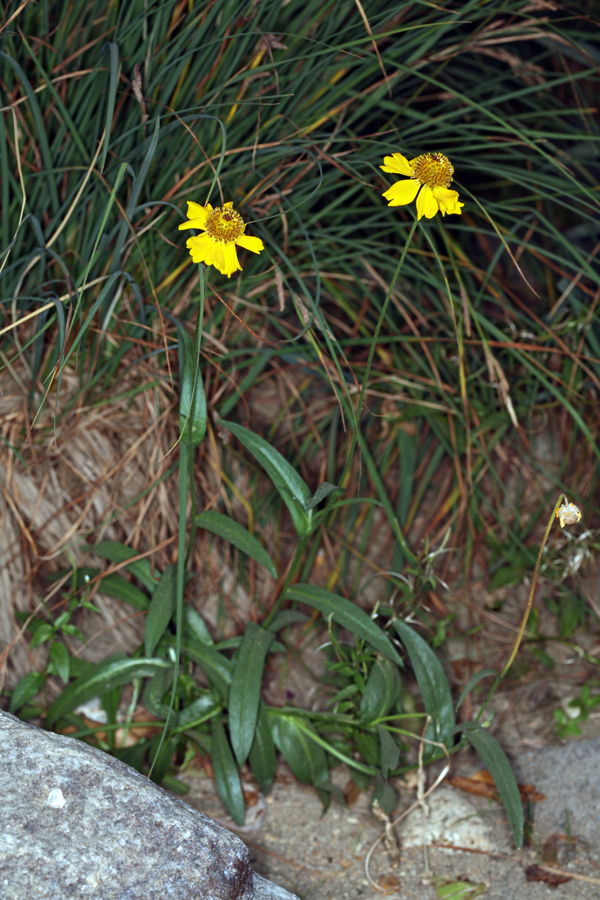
(244, 693)
(304, 756)
(192, 403)
(227, 777)
(161, 609)
(433, 684)
(217, 668)
(346, 614)
(323, 491)
(101, 678)
(496, 762)
(474, 680)
(117, 552)
(237, 535)
(262, 753)
(291, 486)
(381, 691)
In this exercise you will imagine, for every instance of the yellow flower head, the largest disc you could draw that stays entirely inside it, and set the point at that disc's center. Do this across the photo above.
(223, 228)
(430, 177)
(568, 514)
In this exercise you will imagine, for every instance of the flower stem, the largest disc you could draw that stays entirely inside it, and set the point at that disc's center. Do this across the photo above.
(188, 436)
(291, 572)
(361, 398)
(528, 606)
(511, 658)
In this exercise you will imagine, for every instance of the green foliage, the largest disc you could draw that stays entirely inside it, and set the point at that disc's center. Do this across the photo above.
(244, 693)
(494, 759)
(226, 528)
(291, 486)
(433, 685)
(569, 720)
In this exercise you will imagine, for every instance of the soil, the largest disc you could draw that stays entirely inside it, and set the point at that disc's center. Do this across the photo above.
(322, 856)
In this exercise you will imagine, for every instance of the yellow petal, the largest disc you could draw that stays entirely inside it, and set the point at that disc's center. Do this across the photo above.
(447, 200)
(228, 205)
(397, 164)
(197, 216)
(218, 257)
(201, 248)
(402, 192)
(250, 243)
(230, 260)
(193, 223)
(196, 211)
(427, 205)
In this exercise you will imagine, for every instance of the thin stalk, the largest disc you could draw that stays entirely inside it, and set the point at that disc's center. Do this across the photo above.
(361, 398)
(183, 486)
(528, 606)
(291, 572)
(197, 343)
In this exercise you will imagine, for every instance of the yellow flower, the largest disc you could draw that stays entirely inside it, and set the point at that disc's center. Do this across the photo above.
(223, 228)
(431, 176)
(568, 514)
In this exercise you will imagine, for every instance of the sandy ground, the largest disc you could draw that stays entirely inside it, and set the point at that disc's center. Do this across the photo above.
(322, 857)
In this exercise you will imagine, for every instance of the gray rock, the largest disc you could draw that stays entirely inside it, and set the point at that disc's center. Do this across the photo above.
(568, 776)
(451, 819)
(75, 822)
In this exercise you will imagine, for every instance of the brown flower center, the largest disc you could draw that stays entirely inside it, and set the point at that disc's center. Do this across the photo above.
(224, 225)
(433, 169)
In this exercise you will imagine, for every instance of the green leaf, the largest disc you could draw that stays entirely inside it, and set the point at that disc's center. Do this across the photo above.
(433, 685)
(287, 617)
(199, 710)
(382, 690)
(237, 535)
(305, 758)
(42, 634)
(227, 777)
(368, 747)
(473, 681)
(111, 95)
(27, 688)
(61, 659)
(346, 614)
(385, 794)
(390, 751)
(116, 586)
(160, 756)
(161, 609)
(496, 762)
(171, 783)
(458, 890)
(197, 626)
(192, 403)
(99, 679)
(262, 753)
(323, 491)
(291, 486)
(217, 668)
(244, 693)
(117, 552)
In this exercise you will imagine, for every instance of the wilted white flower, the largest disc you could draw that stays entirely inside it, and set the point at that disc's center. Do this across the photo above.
(568, 514)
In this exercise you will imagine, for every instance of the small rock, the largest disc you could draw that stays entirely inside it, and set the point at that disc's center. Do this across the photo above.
(568, 776)
(451, 819)
(76, 822)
